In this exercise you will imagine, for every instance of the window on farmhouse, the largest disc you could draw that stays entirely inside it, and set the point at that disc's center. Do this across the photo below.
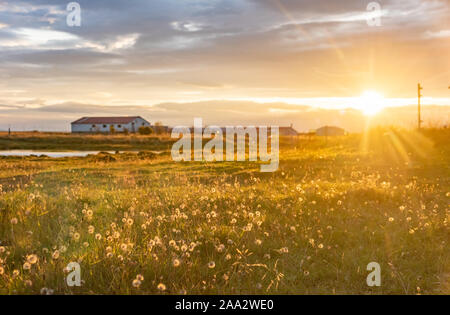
(104, 126)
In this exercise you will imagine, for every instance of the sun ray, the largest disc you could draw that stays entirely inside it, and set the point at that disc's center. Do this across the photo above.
(420, 144)
(330, 40)
(399, 147)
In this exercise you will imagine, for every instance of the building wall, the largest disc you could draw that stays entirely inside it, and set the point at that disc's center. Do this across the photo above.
(105, 128)
(80, 128)
(139, 122)
(288, 132)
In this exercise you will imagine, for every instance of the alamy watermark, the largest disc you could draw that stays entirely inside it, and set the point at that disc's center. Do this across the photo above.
(74, 16)
(73, 279)
(374, 277)
(258, 138)
(374, 17)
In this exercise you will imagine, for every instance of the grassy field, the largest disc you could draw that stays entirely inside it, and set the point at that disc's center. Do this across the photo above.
(141, 223)
(90, 142)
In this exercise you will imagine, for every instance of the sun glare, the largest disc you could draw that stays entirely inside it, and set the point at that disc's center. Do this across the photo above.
(371, 103)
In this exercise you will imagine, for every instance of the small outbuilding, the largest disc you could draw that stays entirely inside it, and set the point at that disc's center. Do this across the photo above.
(288, 131)
(330, 131)
(109, 124)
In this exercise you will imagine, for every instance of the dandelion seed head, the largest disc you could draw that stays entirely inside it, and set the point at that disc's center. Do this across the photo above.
(26, 266)
(140, 277)
(161, 287)
(211, 265)
(32, 259)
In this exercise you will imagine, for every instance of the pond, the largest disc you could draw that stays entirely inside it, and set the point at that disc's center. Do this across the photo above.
(53, 154)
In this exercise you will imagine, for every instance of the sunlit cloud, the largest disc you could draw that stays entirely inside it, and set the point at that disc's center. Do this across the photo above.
(44, 39)
(438, 34)
(119, 43)
(37, 38)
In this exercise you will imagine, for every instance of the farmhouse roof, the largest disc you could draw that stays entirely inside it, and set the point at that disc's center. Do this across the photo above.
(330, 128)
(105, 120)
(288, 130)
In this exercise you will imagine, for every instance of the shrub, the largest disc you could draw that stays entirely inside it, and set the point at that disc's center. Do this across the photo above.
(146, 155)
(145, 130)
(159, 128)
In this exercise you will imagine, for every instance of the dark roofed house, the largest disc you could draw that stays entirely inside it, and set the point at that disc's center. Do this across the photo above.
(105, 124)
(288, 131)
(330, 131)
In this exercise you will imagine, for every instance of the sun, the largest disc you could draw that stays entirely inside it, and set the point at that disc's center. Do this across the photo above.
(371, 102)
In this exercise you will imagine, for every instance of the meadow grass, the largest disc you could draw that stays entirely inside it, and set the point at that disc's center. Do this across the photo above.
(54, 141)
(143, 224)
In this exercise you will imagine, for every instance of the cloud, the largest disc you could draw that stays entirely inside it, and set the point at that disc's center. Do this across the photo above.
(119, 43)
(186, 26)
(45, 39)
(38, 38)
(438, 34)
(178, 51)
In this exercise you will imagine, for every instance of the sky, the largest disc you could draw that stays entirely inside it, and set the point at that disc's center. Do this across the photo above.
(268, 59)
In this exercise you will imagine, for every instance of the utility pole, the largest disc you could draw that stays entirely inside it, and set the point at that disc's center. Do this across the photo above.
(419, 95)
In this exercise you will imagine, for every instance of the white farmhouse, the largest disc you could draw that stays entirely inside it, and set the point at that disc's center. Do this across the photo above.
(103, 124)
